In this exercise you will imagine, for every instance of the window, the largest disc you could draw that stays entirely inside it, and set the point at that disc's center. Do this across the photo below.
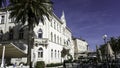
(58, 54)
(57, 39)
(54, 25)
(12, 20)
(60, 28)
(57, 26)
(60, 41)
(51, 24)
(55, 53)
(54, 38)
(68, 41)
(64, 42)
(10, 33)
(40, 53)
(40, 33)
(51, 36)
(1, 34)
(21, 33)
(51, 53)
(2, 19)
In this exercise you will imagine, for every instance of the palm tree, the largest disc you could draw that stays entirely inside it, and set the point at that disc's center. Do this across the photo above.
(2, 2)
(31, 11)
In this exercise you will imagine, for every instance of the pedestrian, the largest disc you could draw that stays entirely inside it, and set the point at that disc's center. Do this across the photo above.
(14, 65)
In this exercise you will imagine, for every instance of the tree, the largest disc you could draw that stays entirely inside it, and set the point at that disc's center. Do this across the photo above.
(115, 45)
(64, 52)
(31, 11)
(2, 3)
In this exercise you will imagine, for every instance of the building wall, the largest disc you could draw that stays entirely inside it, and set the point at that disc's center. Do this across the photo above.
(55, 36)
(80, 48)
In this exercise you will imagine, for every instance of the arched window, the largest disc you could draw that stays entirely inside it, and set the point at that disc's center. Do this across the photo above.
(1, 34)
(58, 54)
(51, 53)
(55, 53)
(60, 41)
(2, 19)
(51, 24)
(10, 33)
(55, 38)
(40, 33)
(54, 25)
(40, 53)
(21, 33)
(51, 36)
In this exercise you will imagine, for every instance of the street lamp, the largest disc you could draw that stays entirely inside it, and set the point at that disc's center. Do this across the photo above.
(105, 37)
(106, 55)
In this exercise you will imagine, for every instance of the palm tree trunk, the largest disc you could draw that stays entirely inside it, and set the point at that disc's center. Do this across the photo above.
(30, 42)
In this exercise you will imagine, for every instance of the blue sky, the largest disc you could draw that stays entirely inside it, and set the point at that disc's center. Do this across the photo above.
(91, 19)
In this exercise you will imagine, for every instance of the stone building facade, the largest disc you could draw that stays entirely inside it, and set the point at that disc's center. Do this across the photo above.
(80, 48)
(49, 38)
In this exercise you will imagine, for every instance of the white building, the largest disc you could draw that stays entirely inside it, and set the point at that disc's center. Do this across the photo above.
(80, 48)
(49, 38)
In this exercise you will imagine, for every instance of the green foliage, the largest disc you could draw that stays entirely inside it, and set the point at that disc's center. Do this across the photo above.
(29, 10)
(2, 3)
(40, 64)
(102, 48)
(71, 58)
(67, 61)
(115, 44)
(54, 64)
(64, 52)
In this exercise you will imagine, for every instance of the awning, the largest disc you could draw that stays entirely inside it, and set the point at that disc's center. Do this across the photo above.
(12, 51)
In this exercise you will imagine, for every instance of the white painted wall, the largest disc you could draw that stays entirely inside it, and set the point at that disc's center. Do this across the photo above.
(58, 28)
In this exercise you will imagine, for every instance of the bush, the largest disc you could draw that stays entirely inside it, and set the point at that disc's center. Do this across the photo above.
(76, 61)
(53, 64)
(67, 61)
(40, 64)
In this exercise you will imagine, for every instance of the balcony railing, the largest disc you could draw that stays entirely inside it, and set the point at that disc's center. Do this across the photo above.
(41, 41)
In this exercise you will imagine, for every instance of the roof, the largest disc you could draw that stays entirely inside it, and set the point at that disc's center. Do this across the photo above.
(68, 28)
(57, 18)
(11, 51)
(74, 38)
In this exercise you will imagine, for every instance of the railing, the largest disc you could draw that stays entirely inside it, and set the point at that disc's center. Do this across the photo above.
(41, 41)
(18, 43)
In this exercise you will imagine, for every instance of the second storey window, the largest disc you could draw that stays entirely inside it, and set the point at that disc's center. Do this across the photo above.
(40, 33)
(12, 20)
(2, 19)
(54, 25)
(51, 37)
(21, 34)
(55, 38)
(11, 33)
(1, 34)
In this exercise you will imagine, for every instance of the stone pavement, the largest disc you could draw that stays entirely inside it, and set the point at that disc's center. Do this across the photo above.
(55, 67)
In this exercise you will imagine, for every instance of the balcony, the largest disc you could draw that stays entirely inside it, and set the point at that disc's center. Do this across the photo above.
(40, 59)
(41, 41)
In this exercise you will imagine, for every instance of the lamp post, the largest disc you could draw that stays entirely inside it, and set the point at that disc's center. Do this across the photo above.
(3, 55)
(106, 55)
(104, 38)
